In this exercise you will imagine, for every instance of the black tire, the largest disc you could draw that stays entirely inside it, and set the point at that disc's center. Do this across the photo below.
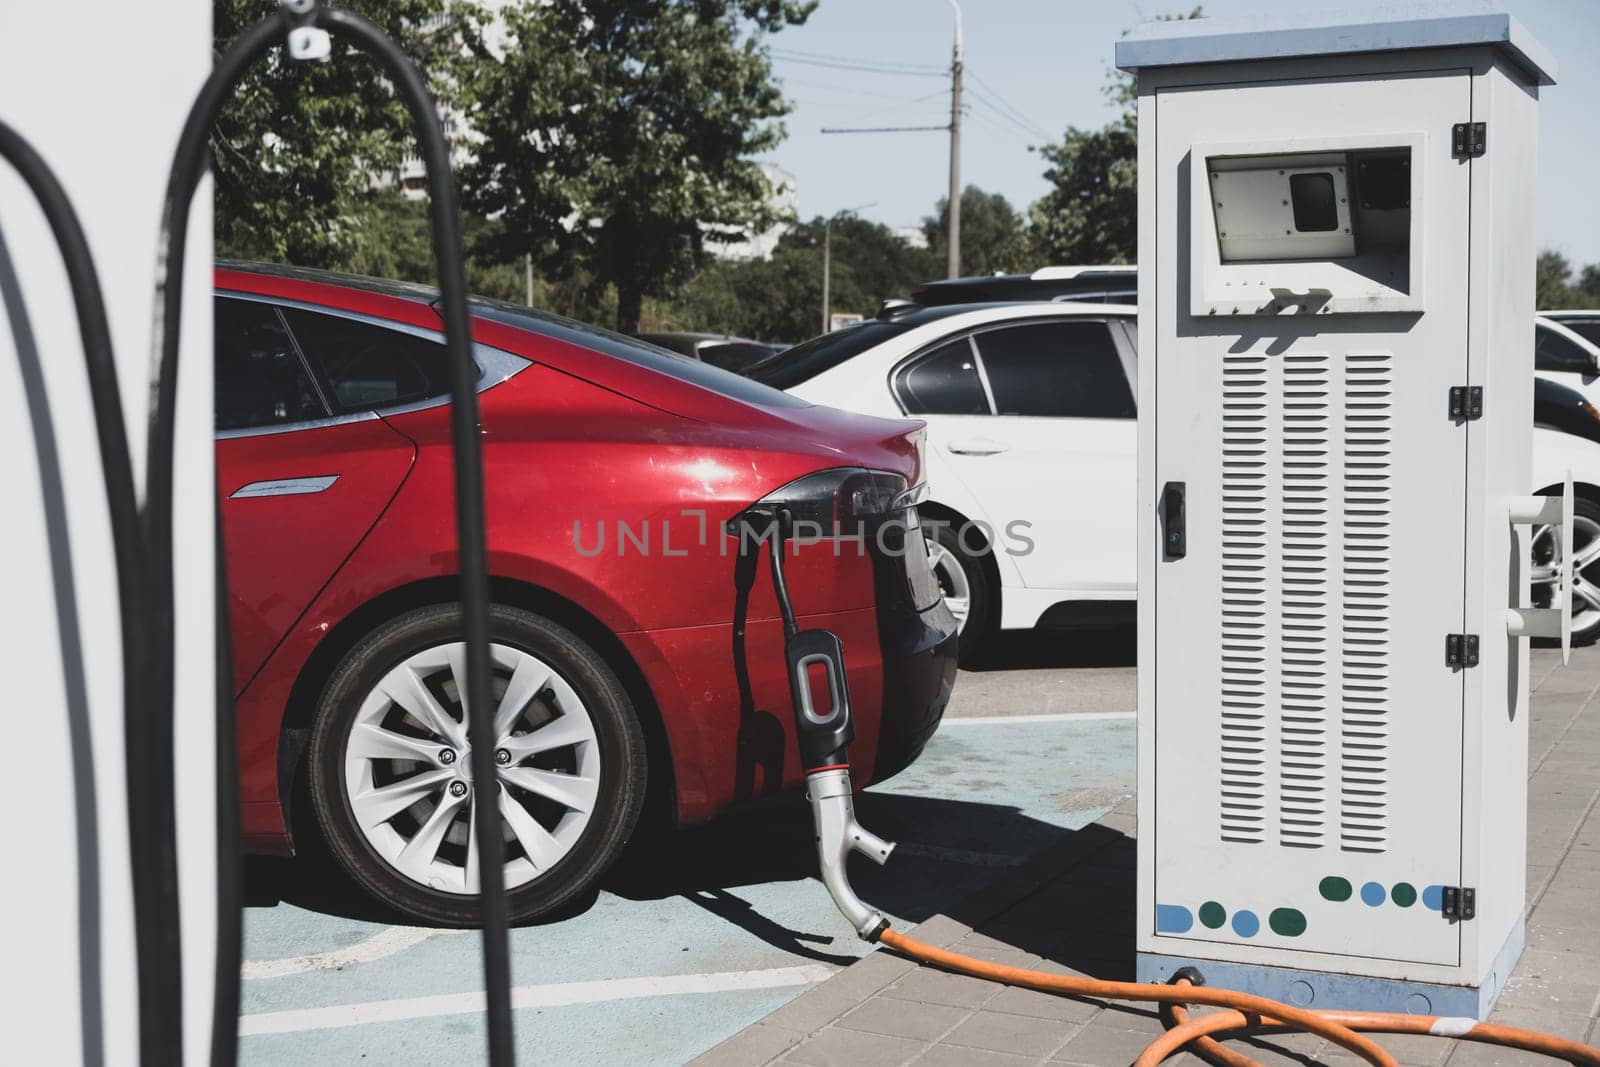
(620, 743)
(1585, 619)
(970, 553)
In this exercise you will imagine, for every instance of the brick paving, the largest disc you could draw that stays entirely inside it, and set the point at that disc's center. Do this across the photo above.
(886, 1010)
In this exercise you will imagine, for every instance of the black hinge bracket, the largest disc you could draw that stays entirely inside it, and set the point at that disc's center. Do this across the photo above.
(1460, 903)
(1461, 650)
(1469, 140)
(1466, 403)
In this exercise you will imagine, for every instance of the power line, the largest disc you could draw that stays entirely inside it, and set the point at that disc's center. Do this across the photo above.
(869, 61)
(860, 68)
(886, 129)
(1004, 105)
(1031, 131)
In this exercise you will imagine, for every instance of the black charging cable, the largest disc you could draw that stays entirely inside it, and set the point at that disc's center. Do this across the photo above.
(122, 506)
(188, 167)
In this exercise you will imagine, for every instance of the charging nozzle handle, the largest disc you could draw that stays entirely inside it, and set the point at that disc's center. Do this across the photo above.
(838, 834)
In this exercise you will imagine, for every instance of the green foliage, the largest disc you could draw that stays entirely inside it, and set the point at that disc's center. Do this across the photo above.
(617, 136)
(395, 241)
(780, 299)
(1555, 287)
(299, 144)
(1090, 214)
(994, 236)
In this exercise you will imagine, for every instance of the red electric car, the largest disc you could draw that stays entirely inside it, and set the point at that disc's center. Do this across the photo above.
(636, 651)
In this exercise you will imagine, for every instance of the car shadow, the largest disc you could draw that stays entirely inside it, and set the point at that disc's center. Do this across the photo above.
(948, 851)
(1045, 647)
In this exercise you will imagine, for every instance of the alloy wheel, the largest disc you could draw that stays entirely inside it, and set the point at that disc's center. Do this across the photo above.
(1585, 571)
(408, 778)
(952, 582)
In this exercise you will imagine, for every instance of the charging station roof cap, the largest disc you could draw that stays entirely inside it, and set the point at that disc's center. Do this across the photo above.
(1392, 28)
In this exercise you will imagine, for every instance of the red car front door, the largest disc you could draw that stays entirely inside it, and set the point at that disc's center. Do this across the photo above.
(300, 486)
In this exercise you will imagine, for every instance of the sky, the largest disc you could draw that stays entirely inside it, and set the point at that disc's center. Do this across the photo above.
(1037, 67)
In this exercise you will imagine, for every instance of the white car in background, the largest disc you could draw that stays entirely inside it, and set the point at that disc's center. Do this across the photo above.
(1563, 355)
(1031, 447)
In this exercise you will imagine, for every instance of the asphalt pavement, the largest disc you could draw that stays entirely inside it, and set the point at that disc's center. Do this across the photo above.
(703, 932)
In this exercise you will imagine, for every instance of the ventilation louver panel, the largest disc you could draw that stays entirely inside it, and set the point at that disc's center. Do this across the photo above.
(1306, 563)
(1365, 594)
(1244, 596)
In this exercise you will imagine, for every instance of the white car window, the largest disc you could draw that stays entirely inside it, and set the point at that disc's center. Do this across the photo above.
(1552, 352)
(944, 382)
(1060, 369)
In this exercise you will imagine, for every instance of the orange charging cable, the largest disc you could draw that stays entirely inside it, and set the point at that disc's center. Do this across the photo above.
(1246, 1011)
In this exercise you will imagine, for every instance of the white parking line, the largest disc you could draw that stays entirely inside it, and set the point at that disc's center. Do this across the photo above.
(386, 943)
(1064, 716)
(535, 996)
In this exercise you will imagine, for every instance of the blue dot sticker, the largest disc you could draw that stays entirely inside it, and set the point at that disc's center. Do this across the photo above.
(1173, 919)
(1433, 897)
(1373, 894)
(1245, 923)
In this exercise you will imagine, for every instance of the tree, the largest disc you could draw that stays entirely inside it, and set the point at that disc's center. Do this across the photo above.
(300, 144)
(616, 136)
(1554, 287)
(780, 298)
(1090, 214)
(1551, 272)
(994, 237)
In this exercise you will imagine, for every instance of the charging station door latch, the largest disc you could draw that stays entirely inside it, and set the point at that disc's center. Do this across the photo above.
(1459, 903)
(1469, 140)
(1174, 534)
(1466, 403)
(1461, 650)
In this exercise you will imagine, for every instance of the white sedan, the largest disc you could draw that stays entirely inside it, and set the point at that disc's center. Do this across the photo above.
(1031, 447)
(1031, 455)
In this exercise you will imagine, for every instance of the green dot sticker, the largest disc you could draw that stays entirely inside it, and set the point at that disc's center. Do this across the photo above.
(1334, 888)
(1287, 922)
(1213, 915)
(1404, 894)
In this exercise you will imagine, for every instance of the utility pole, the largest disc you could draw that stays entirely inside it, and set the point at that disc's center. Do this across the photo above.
(953, 238)
(527, 265)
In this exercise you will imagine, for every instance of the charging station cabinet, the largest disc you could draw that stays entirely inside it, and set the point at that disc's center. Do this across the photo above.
(1335, 407)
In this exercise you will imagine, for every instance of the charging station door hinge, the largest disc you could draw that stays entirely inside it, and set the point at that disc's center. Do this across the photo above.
(1469, 140)
(1466, 403)
(1461, 650)
(1459, 903)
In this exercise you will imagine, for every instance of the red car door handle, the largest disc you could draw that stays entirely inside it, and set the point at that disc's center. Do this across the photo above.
(284, 486)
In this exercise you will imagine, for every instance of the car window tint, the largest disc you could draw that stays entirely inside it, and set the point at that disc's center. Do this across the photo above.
(1552, 352)
(259, 378)
(1588, 329)
(1066, 369)
(944, 382)
(368, 366)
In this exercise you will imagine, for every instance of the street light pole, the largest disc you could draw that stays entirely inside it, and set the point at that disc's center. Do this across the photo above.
(827, 260)
(953, 237)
